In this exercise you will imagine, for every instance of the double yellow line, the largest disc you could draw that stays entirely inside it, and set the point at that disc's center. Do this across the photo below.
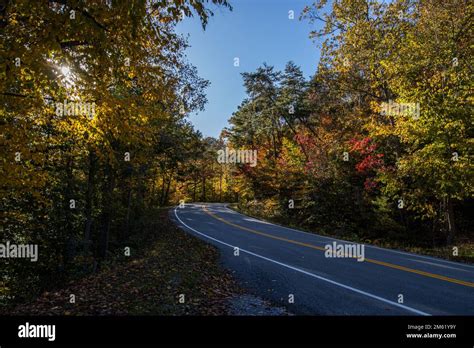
(377, 262)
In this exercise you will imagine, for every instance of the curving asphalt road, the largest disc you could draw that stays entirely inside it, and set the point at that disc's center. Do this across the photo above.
(282, 264)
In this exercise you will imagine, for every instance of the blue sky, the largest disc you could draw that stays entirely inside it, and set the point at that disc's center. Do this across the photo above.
(256, 31)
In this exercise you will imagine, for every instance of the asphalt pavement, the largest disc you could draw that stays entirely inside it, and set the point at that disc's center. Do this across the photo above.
(291, 268)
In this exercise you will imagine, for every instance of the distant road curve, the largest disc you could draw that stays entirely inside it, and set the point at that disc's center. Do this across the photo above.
(289, 267)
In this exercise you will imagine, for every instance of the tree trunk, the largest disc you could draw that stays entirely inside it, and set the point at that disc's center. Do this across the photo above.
(106, 213)
(69, 251)
(451, 227)
(89, 203)
(168, 184)
(220, 187)
(203, 198)
(162, 195)
(129, 206)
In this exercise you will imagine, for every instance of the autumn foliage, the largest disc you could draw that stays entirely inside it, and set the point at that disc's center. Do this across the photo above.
(334, 160)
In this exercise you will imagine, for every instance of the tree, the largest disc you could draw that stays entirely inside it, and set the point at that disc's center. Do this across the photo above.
(89, 92)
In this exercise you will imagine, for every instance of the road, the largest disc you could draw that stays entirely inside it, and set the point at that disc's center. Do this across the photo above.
(290, 268)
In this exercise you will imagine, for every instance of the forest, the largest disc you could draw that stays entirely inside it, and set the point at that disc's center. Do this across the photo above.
(375, 147)
(94, 104)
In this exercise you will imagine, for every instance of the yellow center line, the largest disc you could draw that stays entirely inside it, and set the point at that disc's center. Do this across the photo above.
(381, 263)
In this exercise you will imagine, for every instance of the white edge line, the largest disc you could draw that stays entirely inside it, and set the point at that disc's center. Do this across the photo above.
(460, 264)
(305, 272)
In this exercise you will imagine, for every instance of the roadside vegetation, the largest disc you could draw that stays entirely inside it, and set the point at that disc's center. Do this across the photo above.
(168, 272)
(376, 147)
(466, 248)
